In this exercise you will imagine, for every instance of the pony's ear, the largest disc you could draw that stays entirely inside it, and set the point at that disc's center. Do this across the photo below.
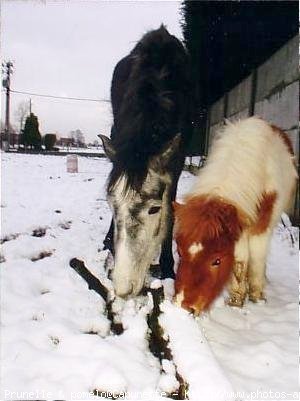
(167, 153)
(108, 147)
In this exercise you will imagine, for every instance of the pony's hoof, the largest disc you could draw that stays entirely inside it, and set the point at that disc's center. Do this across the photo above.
(257, 298)
(235, 301)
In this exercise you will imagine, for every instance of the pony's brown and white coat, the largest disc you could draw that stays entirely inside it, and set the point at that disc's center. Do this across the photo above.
(239, 195)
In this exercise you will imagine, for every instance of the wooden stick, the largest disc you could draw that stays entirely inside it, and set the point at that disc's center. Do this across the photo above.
(158, 345)
(291, 235)
(98, 287)
(89, 278)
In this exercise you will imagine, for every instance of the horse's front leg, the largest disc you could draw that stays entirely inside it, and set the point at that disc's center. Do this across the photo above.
(166, 259)
(109, 239)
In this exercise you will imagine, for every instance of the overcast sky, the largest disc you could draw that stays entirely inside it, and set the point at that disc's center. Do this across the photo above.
(70, 48)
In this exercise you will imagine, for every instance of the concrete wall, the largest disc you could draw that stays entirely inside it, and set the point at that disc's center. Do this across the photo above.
(272, 92)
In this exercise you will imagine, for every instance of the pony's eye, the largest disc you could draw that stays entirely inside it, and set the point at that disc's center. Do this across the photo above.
(154, 210)
(216, 262)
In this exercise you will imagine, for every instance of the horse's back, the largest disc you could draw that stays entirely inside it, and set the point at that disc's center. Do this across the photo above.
(149, 94)
(119, 86)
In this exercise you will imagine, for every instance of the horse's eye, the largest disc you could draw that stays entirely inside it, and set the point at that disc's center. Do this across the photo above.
(216, 262)
(154, 210)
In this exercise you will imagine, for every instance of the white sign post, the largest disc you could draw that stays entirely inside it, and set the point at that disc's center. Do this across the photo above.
(72, 164)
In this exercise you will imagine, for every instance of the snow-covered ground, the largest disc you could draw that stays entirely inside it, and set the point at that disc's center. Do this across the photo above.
(55, 341)
(93, 149)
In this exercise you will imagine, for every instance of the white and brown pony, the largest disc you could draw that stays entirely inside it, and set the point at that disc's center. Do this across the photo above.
(223, 230)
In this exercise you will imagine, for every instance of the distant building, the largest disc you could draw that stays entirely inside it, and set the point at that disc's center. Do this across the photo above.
(14, 139)
(65, 142)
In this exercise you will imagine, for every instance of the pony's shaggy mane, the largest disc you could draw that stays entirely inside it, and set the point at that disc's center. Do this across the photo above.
(204, 218)
(149, 92)
(236, 168)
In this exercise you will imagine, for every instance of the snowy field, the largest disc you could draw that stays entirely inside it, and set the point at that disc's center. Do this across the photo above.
(55, 335)
(94, 149)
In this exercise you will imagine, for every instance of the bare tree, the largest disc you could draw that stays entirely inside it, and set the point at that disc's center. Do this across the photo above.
(21, 113)
(12, 128)
(78, 137)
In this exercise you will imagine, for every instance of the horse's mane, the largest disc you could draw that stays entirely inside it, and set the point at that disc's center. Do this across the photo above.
(149, 92)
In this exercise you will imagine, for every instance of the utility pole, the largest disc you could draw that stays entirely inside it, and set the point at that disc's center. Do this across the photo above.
(7, 67)
(29, 106)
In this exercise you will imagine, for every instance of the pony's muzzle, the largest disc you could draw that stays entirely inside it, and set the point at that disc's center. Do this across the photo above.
(178, 299)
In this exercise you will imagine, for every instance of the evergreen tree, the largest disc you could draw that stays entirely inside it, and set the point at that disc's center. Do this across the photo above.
(31, 133)
(49, 141)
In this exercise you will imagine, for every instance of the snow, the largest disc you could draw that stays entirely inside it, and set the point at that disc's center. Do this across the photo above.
(265, 336)
(90, 150)
(55, 341)
(186, 339)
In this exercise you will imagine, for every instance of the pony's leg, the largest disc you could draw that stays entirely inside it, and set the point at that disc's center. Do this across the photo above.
(238, 285)
(258, 245)
(109, 239)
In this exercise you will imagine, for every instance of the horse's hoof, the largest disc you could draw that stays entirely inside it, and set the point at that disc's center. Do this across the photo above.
(169, 274)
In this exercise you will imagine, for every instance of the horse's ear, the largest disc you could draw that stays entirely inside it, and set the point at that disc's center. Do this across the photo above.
(108, 147)
(167, 153)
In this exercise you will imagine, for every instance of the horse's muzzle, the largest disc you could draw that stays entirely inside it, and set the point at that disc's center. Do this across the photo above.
(126, 288)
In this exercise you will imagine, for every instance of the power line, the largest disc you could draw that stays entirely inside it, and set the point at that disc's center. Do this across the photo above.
(61, 97)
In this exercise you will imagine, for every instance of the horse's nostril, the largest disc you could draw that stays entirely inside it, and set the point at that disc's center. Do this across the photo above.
(130, 292)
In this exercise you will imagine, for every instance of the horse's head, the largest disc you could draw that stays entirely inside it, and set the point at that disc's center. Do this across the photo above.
(139, 215)
(206, 231)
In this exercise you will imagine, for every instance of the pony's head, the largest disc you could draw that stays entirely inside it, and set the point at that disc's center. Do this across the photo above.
(206, 231)
(139, 201)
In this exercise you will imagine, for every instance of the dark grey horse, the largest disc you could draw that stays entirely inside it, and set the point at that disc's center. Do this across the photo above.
(150, 99)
